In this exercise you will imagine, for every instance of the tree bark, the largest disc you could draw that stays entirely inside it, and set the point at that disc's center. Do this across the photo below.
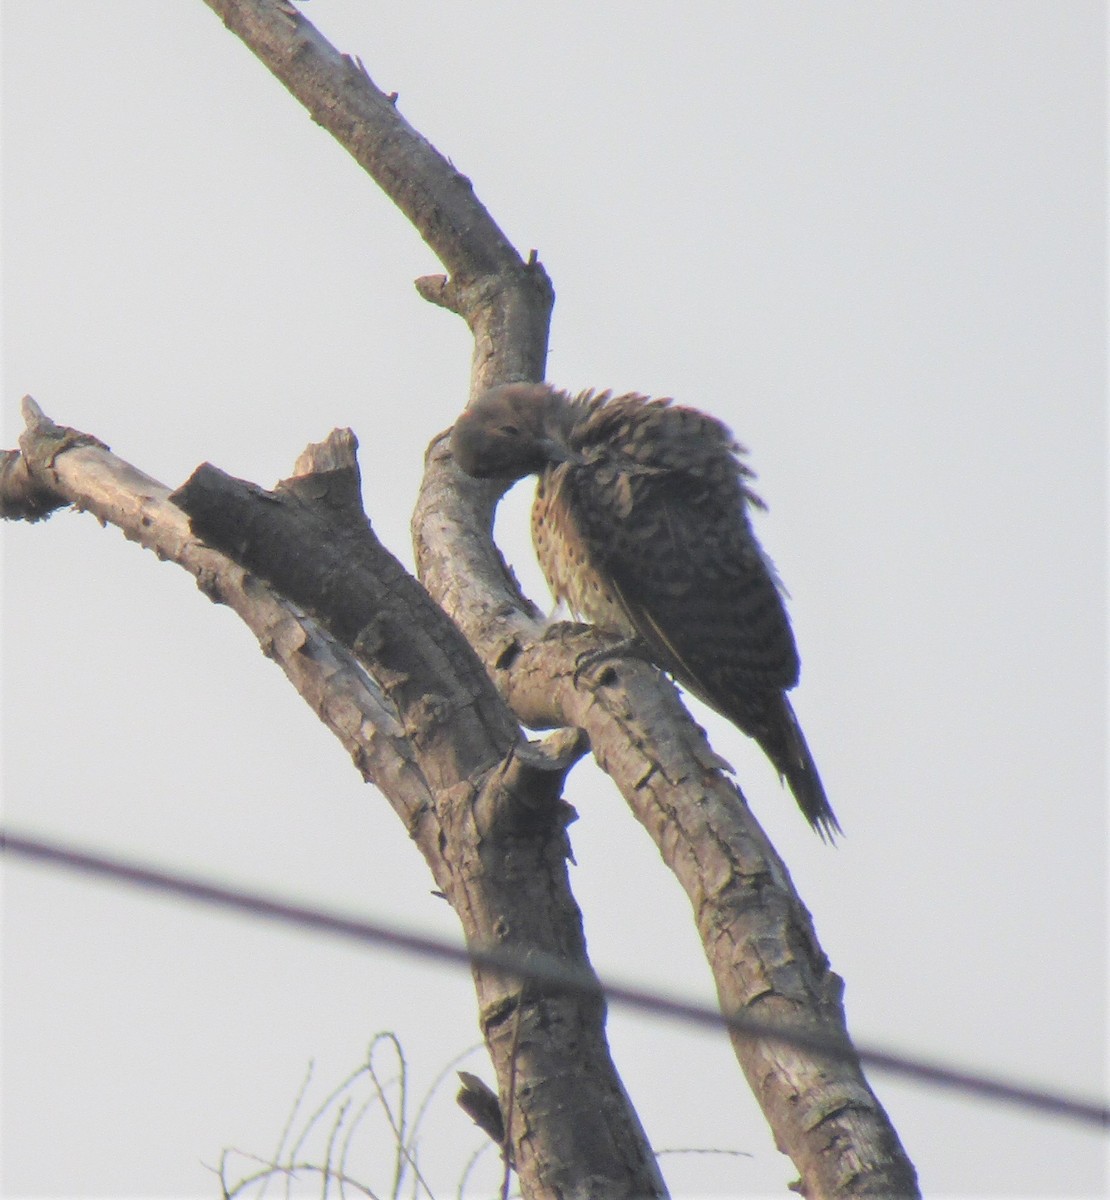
(422, 721)
(435, 735)
(505, 300)
(757, 934)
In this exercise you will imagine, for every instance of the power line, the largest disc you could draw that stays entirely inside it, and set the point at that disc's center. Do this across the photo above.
(545, 970)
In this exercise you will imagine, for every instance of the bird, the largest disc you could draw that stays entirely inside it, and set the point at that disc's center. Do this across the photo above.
(641, 525)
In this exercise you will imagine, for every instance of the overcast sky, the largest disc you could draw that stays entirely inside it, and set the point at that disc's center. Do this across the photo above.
(869, 236)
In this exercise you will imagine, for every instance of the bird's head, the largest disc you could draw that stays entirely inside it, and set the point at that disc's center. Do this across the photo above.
(513, 430)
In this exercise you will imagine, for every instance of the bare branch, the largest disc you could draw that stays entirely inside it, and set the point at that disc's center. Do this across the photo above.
(505, 300)
(23, 494)
(758, 937)
(422, 720)
(508, 315)
(80, 470)
(483, 810)
(310, 540)
(494, 837)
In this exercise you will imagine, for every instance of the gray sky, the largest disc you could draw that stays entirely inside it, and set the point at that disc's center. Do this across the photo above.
(869, 236)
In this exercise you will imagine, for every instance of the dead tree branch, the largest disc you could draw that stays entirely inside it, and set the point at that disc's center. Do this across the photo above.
(390, 675)
(504, 299)
(757, 934)
(489, 829)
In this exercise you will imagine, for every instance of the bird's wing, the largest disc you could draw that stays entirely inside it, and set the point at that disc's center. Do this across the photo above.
(682, 561)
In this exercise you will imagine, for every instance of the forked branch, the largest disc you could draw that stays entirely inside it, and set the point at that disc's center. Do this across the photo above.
(396, 682)
(507, 879)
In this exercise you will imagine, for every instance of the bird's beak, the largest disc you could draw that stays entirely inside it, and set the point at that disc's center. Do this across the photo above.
(559, 452)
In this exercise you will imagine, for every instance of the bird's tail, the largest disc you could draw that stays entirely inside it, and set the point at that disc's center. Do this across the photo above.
(784, 744)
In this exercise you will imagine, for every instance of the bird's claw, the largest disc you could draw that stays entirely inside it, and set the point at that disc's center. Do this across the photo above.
(603, 656)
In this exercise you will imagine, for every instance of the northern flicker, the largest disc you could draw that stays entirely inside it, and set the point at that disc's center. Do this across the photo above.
(641, 524)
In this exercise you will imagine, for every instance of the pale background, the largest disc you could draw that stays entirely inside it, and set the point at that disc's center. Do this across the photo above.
(867, 235)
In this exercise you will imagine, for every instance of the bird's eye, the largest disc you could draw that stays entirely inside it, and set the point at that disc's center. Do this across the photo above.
(511, 430)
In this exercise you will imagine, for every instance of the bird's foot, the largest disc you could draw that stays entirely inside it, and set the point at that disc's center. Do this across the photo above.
(598, 661)
(597, 658)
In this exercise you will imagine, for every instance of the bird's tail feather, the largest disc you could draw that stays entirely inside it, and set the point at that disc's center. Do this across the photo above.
(785, 745)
